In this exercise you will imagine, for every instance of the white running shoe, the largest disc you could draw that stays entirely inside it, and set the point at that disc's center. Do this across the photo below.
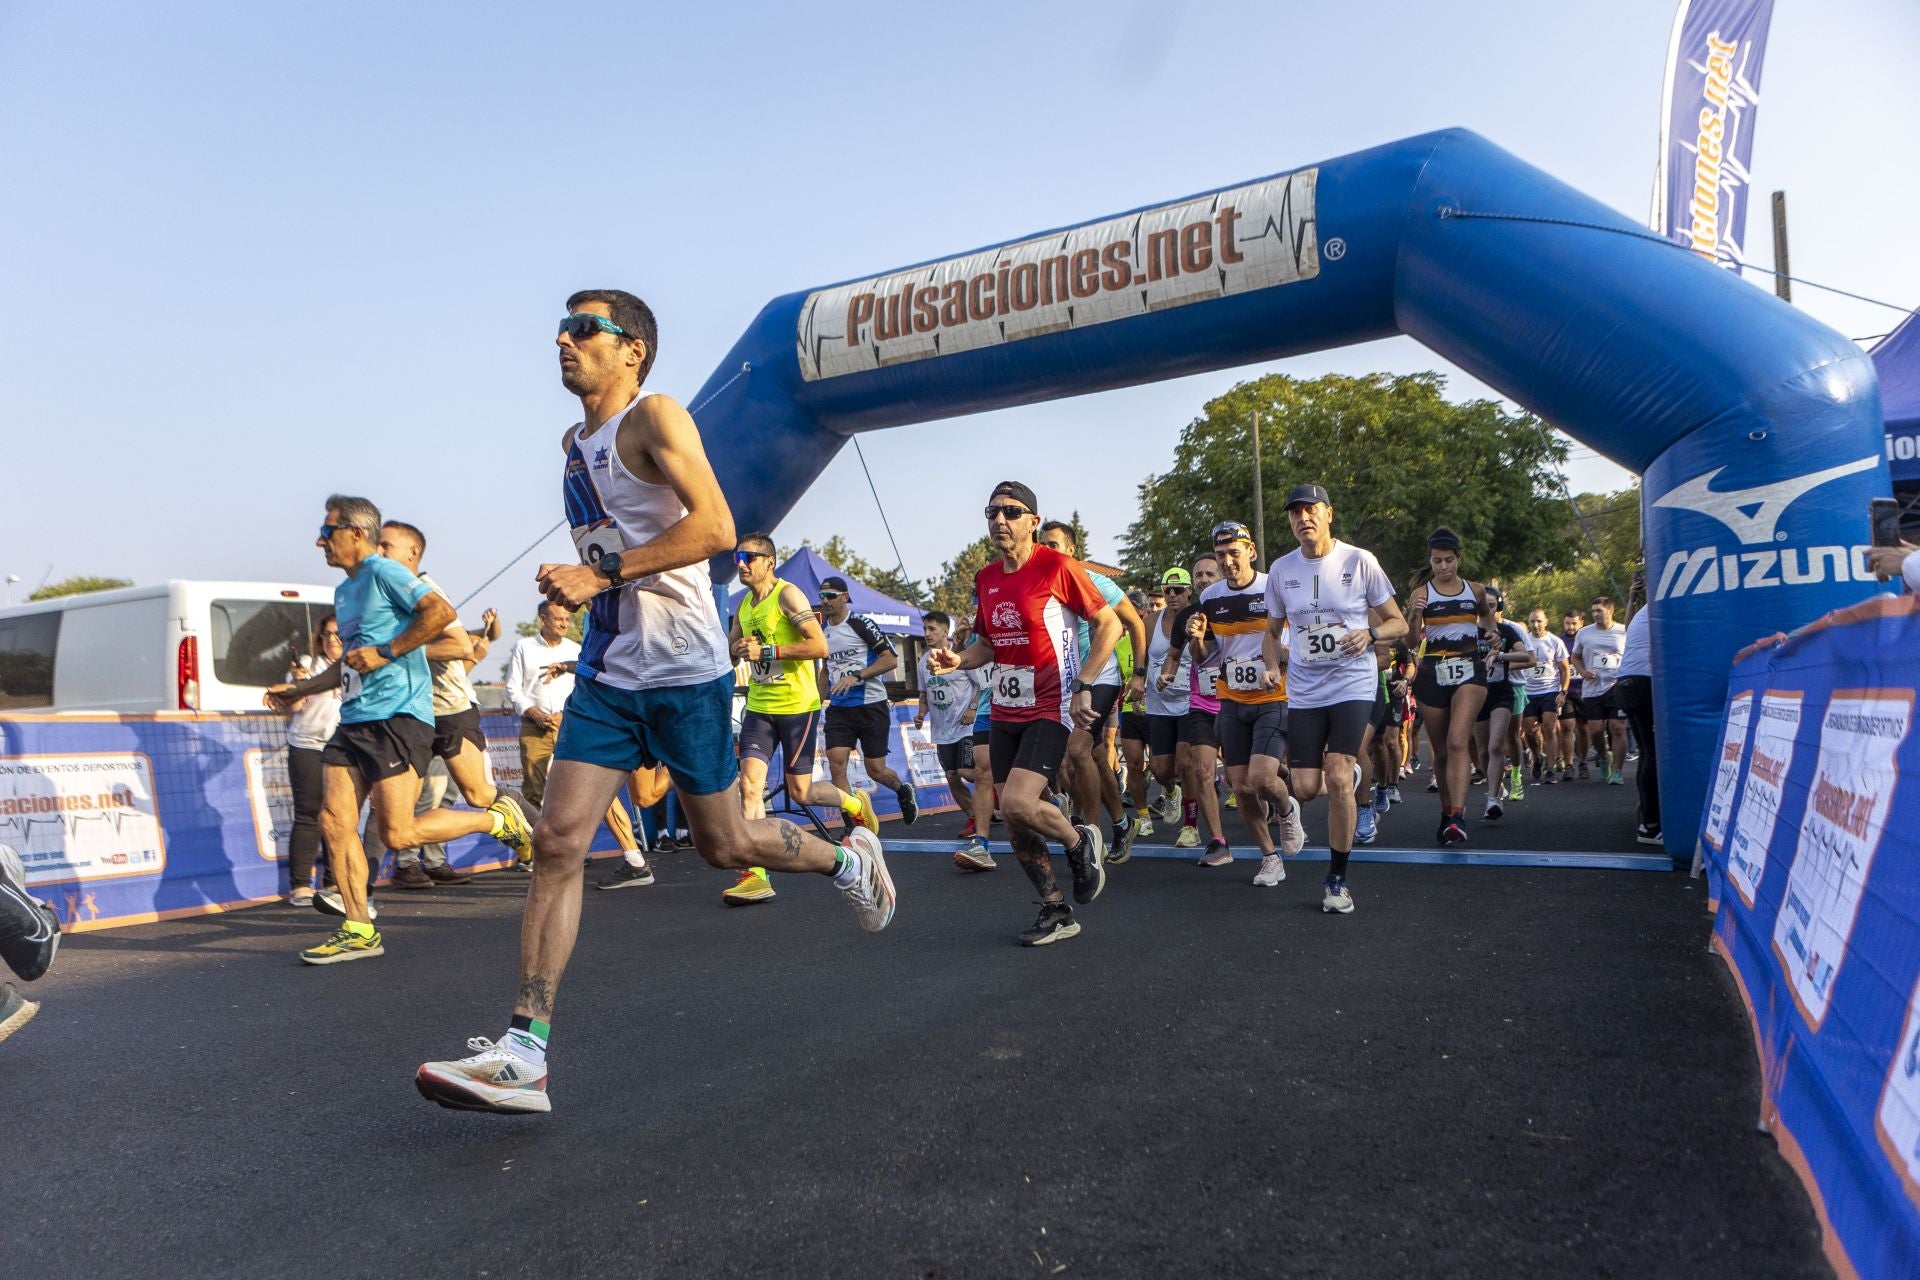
(1189, 838)
(1334, 897)
(329, 903)
(494, 1079)
(1493, 807)
(1146, 824)
(973, 855)
(871, 896)
(1288, 831)
(1273, 869)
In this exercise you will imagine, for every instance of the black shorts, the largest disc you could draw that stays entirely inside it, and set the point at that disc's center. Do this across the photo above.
(450, 731)
(982, 736)
(1249, 729)
(1134, 726)
(793, 734)
(1037, 746)
(1504, 694)
(1429, 692)
(1312, 732)
(867, 726)
(1383, 714)
(1105, 698)
(956, 757)
(381, 749)
(1543, 704)
(1600, 708)
(1163, 734)
(1200, 728)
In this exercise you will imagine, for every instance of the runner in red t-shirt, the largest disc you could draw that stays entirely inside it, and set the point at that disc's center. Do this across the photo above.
(1032, 602)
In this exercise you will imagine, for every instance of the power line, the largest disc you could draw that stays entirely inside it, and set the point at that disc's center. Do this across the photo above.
(899, 564)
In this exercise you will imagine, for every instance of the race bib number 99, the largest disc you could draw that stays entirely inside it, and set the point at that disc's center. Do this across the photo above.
(1452, 671)
(1321, 644)
(1244, 676)
(1013, 686)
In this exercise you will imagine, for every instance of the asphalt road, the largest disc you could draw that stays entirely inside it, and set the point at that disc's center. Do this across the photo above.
(1482, 1072)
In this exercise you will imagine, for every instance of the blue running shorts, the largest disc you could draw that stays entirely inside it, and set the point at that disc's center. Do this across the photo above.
(688, 728)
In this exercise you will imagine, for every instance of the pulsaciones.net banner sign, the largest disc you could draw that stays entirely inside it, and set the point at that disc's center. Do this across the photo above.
(1250, 237)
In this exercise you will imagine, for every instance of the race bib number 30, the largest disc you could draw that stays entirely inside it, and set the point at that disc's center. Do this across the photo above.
(1013, 686)
(1245, 676)
(1452, 671)
(1321, 644)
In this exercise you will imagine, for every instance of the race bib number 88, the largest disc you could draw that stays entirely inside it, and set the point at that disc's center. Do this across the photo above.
(1013, 686)
(1244, 676)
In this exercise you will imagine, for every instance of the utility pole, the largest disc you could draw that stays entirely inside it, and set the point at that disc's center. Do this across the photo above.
(1259, 503)
(1781, 285)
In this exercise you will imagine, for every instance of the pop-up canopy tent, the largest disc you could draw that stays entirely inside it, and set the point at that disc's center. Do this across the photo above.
(1897, 360)
(804, 569)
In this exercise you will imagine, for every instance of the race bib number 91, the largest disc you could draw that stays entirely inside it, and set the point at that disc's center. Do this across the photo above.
(1245, 676)
(1013, 686)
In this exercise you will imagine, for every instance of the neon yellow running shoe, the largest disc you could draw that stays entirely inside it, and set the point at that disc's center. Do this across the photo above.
(516, 823)
(344, 946)
(752, 886)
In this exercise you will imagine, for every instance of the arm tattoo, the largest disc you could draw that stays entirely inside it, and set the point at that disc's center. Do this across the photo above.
(536, 993)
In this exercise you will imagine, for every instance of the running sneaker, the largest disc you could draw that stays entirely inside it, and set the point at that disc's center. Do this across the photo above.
(1393, 794)
(1366, 827)
(446, 875)
(1064, 803)
(1089, 875)
(328, 903)
(1648, 834)
(627, 876)
(1614, 778)
(1453, 830)
(29, 928)
(1189, 838)
(1583, 771)
(666, 844)
(1055, 922)
(1433, 785)
(909, 803)
(1122, 847)
(494, 1079)
(1382, 801)
(300, 898)
(1417, 764)
(517, 816)
(871, 896)
(1273, 869)
(1494, 811)
(867, 819)
(1169, 807)
(1233, 800)
(973, 855)
(752, 886)
(1476, 775)
(1143, 825)
(1516, 784)
(968, 832)
(1536, 769)
(1547, 778)
(1217, 854)
(1335, 897)
(344, 946)
(16, 1011)
(1287, 830)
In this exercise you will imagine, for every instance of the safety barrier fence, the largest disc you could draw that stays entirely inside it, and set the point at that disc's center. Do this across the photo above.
(1811, 833)
(123, 819)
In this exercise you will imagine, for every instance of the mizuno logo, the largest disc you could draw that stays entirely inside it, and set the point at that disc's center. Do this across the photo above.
(1752, 514)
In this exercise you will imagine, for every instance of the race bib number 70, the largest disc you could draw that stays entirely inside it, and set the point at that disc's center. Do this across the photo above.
(1013, 686)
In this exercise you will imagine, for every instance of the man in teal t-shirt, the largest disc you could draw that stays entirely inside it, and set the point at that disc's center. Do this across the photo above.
(381, 750)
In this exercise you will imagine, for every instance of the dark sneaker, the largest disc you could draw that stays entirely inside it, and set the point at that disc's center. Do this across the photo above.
(909, 803)
(29, 928)
(626, 876)
(16, 1011)
(412, 876)
(444, 874)
(1056, 922)
(666, 844)
(1123, 836)
(1089, 876)
(1648, 835)
(1453, 830)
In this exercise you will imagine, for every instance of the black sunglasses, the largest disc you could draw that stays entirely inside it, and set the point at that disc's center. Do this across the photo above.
(582, 325)
(1231, 531)
(328, 530)
(1007, 511)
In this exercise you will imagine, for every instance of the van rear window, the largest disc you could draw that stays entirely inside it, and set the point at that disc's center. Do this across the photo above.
(27, 646)
(255, 641)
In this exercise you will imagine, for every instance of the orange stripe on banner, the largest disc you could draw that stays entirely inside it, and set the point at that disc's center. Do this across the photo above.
(1774, 1123)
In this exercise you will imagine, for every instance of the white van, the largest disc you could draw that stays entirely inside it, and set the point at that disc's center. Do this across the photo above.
(184, 646)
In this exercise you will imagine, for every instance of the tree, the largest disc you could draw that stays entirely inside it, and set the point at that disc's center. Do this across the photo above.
(892, 582)
(576, 629)
(78, 586)
(1397, 458)
(952, 589)
(1613, 522)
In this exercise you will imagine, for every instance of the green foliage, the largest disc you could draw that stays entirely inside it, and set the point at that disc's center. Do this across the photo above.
(1397, 458)
(892, 582)
(1613, 521)
(576, 629)
(952, 587)
(78, 586)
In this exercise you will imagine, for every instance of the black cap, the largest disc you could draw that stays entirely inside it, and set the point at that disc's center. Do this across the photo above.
(1307, 493)
(834, 584)
(1014, 489)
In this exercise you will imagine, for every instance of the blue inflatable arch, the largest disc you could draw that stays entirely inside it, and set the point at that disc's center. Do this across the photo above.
(1757, 429)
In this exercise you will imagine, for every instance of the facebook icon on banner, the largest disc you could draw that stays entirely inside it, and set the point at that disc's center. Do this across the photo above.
(1706, 125)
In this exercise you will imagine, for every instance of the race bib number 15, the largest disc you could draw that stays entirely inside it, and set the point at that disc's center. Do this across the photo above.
(1452, 671)
(1013, 686)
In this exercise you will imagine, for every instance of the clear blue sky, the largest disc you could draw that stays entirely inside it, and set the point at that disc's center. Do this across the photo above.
(258, 253)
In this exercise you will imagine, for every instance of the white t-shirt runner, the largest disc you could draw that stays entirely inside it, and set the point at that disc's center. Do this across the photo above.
(1548, 651)
(1323, 600)
(1600, 650)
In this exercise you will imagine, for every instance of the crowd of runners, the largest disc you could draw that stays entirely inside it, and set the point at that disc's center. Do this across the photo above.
(1227, 686)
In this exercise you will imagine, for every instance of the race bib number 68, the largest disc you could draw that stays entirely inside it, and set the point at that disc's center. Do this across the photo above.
(1013, 686)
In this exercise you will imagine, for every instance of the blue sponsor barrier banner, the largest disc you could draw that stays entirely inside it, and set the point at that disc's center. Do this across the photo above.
(127, 819)
(1811, 831)
(1707, 118)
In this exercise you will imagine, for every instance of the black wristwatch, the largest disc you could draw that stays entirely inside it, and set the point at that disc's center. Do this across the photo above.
(1081, 686)
(385, 651)
(610, 565)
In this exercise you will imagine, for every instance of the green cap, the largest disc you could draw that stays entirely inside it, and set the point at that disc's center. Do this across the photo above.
(1176, 578)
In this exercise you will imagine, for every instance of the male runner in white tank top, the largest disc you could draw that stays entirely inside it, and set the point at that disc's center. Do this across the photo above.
(654, 683)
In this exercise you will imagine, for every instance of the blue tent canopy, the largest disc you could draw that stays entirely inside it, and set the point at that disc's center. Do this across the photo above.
(804, 569)
(1896, 358)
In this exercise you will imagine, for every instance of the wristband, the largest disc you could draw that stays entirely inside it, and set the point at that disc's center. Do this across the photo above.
(776, 652)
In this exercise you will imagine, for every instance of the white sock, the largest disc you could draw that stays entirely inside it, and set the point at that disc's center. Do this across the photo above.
(635, 858)
(525, 1046)
(850, 868)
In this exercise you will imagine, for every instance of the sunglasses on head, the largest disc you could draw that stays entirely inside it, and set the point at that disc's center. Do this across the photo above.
(582, 325)
(1006, 511)
(1231, 531)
